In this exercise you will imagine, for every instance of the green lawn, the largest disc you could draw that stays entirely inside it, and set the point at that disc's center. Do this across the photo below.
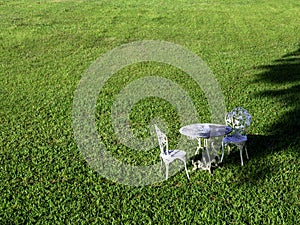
(252, 48)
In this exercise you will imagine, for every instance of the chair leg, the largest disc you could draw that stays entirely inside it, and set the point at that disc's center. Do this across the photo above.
(223, 146)
(246, 151)
(167, 171)
(187, 173)
(161, 162)
(241, 154)
(241, 147)
(228, 147)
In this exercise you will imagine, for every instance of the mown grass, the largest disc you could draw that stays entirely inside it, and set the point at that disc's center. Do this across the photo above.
(252, 47)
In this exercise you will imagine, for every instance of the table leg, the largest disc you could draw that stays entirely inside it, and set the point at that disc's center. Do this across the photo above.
(202, 164)
(199, 146)
(206, 165)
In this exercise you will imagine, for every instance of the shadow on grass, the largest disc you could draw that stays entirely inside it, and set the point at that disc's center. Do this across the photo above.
(284, 73)
(284, 134)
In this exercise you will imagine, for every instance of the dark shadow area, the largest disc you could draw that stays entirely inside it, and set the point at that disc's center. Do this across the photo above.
(283, 132)
(284, 73)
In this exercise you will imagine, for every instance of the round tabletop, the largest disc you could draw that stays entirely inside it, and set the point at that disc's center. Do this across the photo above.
(205, 130)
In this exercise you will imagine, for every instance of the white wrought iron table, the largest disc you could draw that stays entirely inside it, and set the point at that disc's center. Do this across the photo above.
(206, 133)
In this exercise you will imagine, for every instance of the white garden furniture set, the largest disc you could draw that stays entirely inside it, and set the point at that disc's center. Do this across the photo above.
(233, 132)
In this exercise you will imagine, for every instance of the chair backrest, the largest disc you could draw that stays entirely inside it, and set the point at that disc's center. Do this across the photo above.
(239, 119)
(162, 140)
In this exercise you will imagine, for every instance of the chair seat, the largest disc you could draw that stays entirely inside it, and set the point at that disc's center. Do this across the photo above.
(175, 153)
(236, 138)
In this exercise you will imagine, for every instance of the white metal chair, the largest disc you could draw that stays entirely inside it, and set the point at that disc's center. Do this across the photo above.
(239, 119)
(167, 155)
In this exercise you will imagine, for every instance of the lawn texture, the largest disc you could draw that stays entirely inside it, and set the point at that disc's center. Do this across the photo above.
(253, 50)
